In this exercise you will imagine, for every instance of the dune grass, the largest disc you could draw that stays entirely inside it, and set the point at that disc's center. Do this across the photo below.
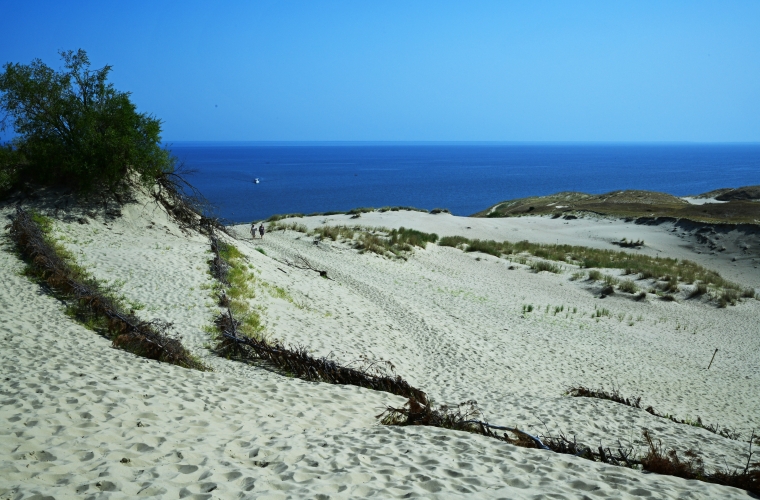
(669, 272)
(235, 287)
(283, 226)
(381, 241)
(543, 265)
(353, 211)
(336, 233)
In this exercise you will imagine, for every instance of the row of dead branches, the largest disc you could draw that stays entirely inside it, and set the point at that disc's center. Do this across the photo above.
(615, 396)
(467, 417)
(147, 339)
(691, 466)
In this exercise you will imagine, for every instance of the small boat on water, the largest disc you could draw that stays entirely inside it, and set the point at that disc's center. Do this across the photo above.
(256, 180)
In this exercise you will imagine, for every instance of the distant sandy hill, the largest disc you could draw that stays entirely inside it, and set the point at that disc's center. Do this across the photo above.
(728, 205)
(742, 193)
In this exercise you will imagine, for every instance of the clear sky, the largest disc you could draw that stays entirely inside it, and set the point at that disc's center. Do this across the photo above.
(417, 70)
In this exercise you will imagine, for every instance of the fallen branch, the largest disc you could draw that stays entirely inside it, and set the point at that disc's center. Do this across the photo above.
(186, 209)
(615, 396)
(692, 467)
(460, 417)
(303, 263)
(299, 363)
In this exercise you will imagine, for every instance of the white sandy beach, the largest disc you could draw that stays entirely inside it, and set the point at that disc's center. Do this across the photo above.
(81, 419)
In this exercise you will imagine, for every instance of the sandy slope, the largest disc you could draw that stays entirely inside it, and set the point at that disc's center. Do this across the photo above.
(79, 418)
(735, 253)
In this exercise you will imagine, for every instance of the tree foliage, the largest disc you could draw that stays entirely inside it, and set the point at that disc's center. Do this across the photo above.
(74, 128)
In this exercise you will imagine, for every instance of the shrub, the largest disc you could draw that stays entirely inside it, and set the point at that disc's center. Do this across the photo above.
(610, 280)
(453, 241)
(403, 236)
(630, 243)
(292, 226)
(727, 297)
(277, 217)
(360, 210)
(74, 128)
(628, 286)
(489, 247)
(335, 232)
(594, 275)
(542, 265)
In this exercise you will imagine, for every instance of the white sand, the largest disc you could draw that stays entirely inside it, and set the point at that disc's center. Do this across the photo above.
(694, 200)
(73, 408)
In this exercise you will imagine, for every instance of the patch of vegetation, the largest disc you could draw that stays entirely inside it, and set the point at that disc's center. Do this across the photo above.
(595, 275)
(628, 286)
(236, 287)
(287, 226)
(668, 270)
(360, 210)
(381, 241)
(277, 217)
(542, 265)
(336, 233)
(631, 204)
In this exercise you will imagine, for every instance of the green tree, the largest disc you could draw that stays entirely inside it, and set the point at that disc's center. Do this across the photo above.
(74, 128)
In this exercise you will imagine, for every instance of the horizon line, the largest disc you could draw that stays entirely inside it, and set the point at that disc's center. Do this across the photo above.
(452, 143)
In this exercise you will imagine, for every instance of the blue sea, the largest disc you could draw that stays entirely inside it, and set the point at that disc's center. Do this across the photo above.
(464, 178)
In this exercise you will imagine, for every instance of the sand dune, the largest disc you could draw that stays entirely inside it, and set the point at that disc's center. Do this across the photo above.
(82, 419)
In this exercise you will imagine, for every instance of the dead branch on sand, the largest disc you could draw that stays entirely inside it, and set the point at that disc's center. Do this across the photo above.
(186, 209)
(692, 467)
(303, 263)
(298, 362)
(467, 417)
(615, 396)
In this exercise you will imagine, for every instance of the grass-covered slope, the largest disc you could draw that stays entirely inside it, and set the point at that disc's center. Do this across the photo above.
(632, 204)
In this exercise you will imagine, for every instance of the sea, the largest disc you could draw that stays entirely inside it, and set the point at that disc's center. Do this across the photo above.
(464, 178)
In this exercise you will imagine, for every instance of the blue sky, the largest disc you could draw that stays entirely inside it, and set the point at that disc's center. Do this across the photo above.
(417, 71)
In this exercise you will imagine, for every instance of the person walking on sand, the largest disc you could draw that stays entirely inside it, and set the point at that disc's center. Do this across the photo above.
(261, 230)
(253, 230)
